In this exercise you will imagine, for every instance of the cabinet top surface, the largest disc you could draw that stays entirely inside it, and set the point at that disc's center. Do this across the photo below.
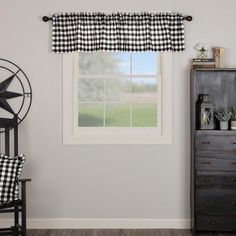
(214, 69)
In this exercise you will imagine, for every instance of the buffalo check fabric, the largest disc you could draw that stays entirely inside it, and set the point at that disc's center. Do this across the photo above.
(145, 31)
(10, 170)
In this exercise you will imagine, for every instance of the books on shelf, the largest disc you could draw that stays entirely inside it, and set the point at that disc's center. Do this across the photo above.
(203, 60)
(203, 63)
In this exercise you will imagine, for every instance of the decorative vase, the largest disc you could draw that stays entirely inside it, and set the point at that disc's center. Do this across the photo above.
(233, 124)
(224, 125)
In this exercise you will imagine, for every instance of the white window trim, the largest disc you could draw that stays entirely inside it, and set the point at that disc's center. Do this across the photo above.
(122, 136)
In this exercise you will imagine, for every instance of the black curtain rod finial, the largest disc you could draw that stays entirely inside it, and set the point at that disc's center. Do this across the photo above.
(46, 18)
(188, 18)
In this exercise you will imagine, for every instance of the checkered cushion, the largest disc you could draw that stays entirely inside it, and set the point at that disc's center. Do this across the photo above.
(10, 170)
(117, 32)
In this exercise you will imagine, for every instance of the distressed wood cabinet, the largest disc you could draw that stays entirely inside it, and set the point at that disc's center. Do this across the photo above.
(213, 155)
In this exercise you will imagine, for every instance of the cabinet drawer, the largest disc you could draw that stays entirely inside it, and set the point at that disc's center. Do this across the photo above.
(204, 178)
(215, 142)
(216, 201)
(216, 223)
(217, 164)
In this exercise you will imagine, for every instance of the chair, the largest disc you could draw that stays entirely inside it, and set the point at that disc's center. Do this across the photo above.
(17, 207)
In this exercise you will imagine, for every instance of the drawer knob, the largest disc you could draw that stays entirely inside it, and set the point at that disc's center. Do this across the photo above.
(210, 179)
(213, 222)
(206, 204)
(205, 142)
(206, 162)
(233, 179)
(207, 180)
(209, 204)
(233, 143)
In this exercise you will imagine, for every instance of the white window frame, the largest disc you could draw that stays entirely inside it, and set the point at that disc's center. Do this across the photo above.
(116, 135)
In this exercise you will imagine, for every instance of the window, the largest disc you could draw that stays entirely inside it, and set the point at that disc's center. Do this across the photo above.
(117, 98)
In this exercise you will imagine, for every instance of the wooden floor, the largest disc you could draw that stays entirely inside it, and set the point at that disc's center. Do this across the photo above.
(119, 232)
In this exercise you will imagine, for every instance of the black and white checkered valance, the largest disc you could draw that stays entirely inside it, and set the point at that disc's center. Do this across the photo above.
(117, 32)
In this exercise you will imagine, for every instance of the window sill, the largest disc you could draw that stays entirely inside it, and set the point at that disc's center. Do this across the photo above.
(116, 136)
(150, 140)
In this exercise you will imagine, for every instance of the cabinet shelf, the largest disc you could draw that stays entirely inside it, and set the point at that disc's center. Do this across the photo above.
(216, 132)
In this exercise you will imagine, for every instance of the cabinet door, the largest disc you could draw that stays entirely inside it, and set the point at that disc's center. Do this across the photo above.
(215, 142)
(216, 201)
(213, 178)
(213, 223)
(216, 164)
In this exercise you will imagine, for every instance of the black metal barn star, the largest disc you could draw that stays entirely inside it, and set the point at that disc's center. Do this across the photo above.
(5, 95)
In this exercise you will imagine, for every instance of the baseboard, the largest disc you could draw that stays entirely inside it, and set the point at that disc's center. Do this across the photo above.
(112, 223)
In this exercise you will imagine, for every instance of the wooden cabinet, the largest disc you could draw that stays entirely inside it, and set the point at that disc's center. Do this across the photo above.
(213, 155)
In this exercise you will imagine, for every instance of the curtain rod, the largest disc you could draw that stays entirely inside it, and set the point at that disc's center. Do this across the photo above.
(46, 18)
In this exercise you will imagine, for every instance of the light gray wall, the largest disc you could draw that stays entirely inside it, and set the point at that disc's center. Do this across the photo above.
(105, 181)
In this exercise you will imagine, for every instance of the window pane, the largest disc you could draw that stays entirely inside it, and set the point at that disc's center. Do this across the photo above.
(117, 89)
(104, 63)
(144, 63)
(91, 90)
(144, 115)
(123, 58)
(144, 90)
(90, 115)
(117, 115)
(129, 101)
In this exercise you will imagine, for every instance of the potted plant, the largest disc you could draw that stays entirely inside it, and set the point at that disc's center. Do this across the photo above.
(223, 116)
(233, 118)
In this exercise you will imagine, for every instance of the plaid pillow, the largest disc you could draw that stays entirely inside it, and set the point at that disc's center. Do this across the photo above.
(10, 170)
